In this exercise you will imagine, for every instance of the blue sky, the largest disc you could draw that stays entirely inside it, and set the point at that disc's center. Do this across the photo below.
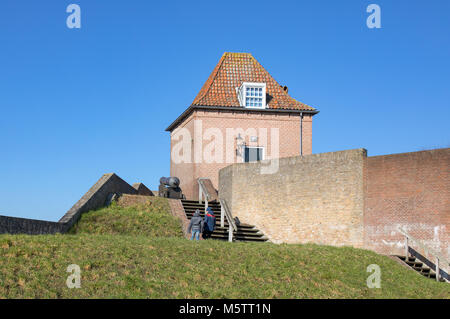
(77, 103)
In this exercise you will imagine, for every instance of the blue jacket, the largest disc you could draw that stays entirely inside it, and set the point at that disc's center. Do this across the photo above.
(210, 220)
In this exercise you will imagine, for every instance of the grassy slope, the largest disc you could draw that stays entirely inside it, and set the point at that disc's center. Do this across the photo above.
(143, 263)
(151, 220)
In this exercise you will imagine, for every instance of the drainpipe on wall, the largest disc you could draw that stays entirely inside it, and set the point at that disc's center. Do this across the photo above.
(301, 133)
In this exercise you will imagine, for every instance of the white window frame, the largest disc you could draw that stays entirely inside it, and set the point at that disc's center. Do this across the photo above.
(241, 94)
(263, 156)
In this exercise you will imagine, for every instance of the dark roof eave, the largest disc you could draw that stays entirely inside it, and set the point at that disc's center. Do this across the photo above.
(233, 108)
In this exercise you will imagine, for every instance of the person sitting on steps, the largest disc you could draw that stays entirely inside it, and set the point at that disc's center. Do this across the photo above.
(196, 225)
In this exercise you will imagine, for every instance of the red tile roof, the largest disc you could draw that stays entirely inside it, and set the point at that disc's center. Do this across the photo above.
(230, 72)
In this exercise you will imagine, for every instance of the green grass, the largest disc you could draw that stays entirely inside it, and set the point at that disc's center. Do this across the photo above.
(119, 258)
(151, 220)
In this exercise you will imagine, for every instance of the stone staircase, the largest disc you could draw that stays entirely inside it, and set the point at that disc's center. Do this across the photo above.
(419, 266)
(245, 232)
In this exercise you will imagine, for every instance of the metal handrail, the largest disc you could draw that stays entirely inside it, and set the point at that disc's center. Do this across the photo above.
(423, 246)
(203, 189)
(228, 215)
(231, 224)
(439, 257)
(224, 210)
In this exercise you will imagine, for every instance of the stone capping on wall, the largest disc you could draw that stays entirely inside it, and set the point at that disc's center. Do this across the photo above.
(95, 198)
(17, 225)
(212, 192)
(142, 189)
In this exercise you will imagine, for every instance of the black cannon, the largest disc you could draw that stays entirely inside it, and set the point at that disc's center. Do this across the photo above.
(169, 187)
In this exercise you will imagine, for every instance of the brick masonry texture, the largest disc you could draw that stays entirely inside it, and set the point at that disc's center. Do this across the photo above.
(315, 198)
(411, 190)
(93, 199)
(177, 210)
(126, 200)
(220, 91)
(347, 198)
(288, 125)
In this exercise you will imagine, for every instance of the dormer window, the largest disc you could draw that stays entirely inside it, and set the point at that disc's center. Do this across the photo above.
(252, 95)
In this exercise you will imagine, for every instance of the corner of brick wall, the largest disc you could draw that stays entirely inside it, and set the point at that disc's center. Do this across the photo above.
(312, 198)
(177, 210)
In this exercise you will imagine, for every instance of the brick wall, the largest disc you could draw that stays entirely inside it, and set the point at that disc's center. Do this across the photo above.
(127, 200)
(288, 125)
(184, 171)
(315, 198)
(411, 190)
(347, 198)
(16, 225)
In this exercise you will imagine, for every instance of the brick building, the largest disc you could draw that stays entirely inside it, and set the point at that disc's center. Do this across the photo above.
(241, 114)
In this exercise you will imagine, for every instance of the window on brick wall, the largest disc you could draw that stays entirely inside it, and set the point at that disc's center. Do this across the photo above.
(253, 154)
(252, 95)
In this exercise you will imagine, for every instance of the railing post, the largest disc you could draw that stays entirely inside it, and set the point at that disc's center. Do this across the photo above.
(406, 247)
(427, 250)
(206, 203)
(231, 225)
(222, 216)
(199, 194)
(437, 269)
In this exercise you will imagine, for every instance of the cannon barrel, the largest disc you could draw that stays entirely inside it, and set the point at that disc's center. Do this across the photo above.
(170, 181)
